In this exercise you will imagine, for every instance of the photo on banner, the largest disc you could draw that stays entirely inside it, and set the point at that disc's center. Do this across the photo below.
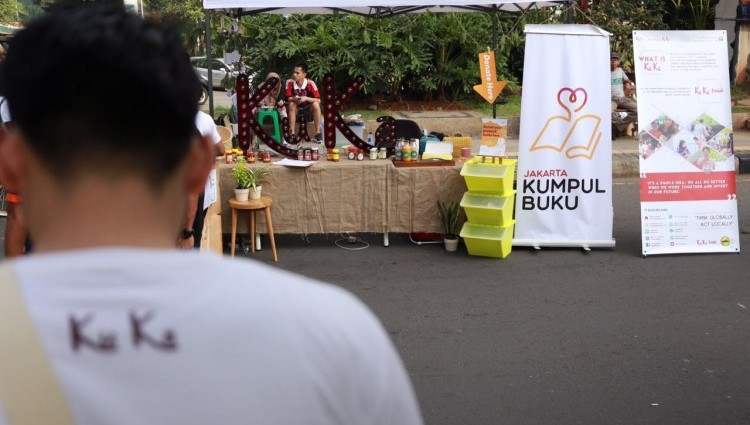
(686, 152)
(564, 179)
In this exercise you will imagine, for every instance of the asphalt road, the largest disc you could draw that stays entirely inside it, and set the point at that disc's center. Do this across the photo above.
(220, 100)
(556, 336)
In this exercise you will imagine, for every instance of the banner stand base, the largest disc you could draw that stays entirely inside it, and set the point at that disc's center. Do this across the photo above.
(584, 244)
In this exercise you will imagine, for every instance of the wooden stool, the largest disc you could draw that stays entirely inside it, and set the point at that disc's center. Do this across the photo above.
(253, 205)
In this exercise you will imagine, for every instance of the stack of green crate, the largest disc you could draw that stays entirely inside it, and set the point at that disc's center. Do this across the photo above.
(488, 231)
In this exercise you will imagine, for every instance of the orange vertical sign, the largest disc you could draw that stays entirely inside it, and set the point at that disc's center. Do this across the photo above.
(490, 88)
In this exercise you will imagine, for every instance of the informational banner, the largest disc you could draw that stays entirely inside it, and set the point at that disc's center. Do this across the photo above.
(494, 132)
(688, 192)
(564, 180)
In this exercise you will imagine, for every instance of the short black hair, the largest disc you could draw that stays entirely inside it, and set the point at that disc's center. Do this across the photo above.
(98, 89)
(301, 65)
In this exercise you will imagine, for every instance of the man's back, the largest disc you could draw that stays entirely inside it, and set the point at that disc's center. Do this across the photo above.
(155, 336)
(135, 331)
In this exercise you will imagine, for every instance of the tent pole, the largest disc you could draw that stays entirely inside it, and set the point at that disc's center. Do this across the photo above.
(494, 49)
(207, 29)
(570, 12)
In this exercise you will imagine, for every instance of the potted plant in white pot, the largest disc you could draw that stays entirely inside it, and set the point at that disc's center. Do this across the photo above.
(242, 175)
(258, 176)
(448, 212)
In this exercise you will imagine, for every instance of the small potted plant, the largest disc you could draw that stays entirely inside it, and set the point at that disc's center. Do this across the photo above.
(242, 175)
(258, 176)
(448, 212)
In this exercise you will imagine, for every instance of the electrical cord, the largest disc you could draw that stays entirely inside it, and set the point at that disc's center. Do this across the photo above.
(352, 243)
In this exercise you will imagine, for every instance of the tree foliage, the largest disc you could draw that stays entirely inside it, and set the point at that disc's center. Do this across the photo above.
(11, 11)
(420, 56)
(185, 17)
(622, 17)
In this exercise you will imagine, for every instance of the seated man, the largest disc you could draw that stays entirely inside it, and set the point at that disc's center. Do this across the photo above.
(302, 94)
(621, 89)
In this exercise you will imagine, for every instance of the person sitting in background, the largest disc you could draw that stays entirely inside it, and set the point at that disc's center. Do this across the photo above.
(624, 107)
(303, 95)
(622, 87)
(274, 98)
(125, 328)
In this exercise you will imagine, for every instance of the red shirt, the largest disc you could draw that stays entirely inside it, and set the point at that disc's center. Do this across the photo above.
(308, 89)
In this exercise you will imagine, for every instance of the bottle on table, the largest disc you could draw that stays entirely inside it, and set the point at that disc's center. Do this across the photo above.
(406, 152)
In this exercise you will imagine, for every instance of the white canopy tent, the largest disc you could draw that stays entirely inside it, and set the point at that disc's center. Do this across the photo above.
(381, 9)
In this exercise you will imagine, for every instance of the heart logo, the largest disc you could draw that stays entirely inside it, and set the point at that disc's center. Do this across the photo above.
(572, 99)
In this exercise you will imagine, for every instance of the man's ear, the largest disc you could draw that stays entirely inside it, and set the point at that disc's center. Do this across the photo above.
(200, 161)
(13, 158)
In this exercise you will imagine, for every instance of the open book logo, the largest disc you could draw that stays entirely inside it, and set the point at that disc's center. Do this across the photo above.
(575, 133)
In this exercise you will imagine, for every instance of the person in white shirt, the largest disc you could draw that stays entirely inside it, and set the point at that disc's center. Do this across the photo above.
(133, 330)
(195, 213)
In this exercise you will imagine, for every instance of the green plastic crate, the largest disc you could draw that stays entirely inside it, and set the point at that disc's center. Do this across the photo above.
(489, 178)
(488, 209)
(487, 241)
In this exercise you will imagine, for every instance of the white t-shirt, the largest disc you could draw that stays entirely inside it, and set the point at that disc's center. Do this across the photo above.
(169, 337)
(207, 127)
(619, 78)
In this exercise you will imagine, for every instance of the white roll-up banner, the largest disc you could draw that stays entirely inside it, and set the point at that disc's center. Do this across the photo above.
(688, 188)
(564, 180)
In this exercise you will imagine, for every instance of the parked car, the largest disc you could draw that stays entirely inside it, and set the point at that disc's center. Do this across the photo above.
(204, 89)
(219, 70)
